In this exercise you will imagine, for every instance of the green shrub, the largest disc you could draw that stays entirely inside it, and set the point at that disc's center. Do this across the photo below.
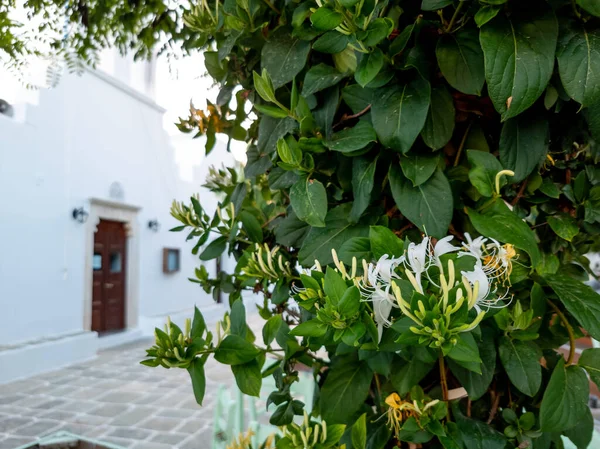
(377, 129)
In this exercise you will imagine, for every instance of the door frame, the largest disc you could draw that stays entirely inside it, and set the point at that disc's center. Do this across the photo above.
(128, 214)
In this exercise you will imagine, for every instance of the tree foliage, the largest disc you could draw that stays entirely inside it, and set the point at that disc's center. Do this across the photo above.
(370, 124)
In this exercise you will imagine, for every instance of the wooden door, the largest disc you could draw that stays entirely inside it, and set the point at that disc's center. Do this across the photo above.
(109, 263)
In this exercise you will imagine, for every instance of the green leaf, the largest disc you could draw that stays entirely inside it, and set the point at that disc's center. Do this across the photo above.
(359, 247)
(384, 241)
(590, 361)
(564, 226)
(484, 167)
(319, 77)
(213, 65)
(581, 435)
(325, 113)
(238, 319)
(592, 205)
(331, 42)
(418, 167)
(580, 300)
(579, 62)
(349, 302)
(320, 241)
(565, 400)
(550, 189)
(291, 231)
(235, 350)
(334, 286)
(460, 59)
(400, 113)
(363, 180)
(429, 206)
(271, 111)
(485, 14)
(284, 56)
(198, 324)
(519, 58)
(358, 98)
(290, 154)
(248, 377)
(359, 432)
(377, 31)
(345, 390)
(439, 125)
(271, 328)
(399, 43)
(477, 384)
(479, 435)
(309, 200)
(214, 248)
(523, 145)
(467, 352)
(369, 67)
(325, 19)
(196, 371)
(352, 139)
(433, 5)
(270, 130)
(310, 328)
(251, 226)
(521, 361)
(407, 374)
(590, 6)
(498, 222)
(264, 86)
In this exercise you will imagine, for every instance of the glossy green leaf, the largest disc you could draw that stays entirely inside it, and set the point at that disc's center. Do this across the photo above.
(439, 125)
(519, 58)
(284, 56)
(235, 350)
(466, 352)
(400, 112)
(484, 167)
(521, 360)
(591, 6)
(320, 241)
(581, 435)
(523, 145)
(359, 433)
(271, 328)
(345, 390)
(407, 374)
(418, 167)
(478, 384)
(196, 372)
(460, 58)
(498, 222)
(238, 319)
(352, 139)
(252, 226)
(359, 98)
(384, 241)
(369, 67)
(590, 361)
(578, 57)
(248, 377)
(311, 328)
(478, 435)
(325, 19)
(485, 14)
(565, 400)
(363, 180)
(309, 200)
(359, 247)
(580, 300)
(198, 324)
(432, 5)
(214, 249)
(429, 206)
(291, 231)
(319, 77)
(564, 226)
(331, 42)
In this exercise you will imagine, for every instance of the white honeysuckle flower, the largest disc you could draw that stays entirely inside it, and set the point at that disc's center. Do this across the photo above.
(382, 307)
(477, 285)
(474, 248)
(443, 246)
(417, 260)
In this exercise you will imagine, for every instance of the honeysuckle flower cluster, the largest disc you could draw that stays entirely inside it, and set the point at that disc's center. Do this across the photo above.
(401, 410)
(267, 263)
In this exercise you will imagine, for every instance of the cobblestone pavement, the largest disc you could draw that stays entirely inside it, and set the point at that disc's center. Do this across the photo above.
(114, 399)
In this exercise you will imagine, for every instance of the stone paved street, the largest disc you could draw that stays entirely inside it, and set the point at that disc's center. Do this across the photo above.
(115, 399)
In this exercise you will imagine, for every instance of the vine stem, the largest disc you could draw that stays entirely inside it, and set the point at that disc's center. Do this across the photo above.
(563, 318)
(443, 377)
(455, 16)
(575, 10)
(270, 5)
(463, 140)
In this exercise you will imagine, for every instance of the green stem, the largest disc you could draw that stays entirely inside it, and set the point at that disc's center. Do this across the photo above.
(462, 142)
(563, 318)
(443, 377)
(575, 10)
(270, 5)
(455, 16)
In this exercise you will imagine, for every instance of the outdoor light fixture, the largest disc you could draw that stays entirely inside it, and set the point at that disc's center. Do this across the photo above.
(154, 225)
(80, 215)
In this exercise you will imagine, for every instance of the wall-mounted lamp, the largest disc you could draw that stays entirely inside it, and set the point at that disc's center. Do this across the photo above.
(80, 215)
(154, 225)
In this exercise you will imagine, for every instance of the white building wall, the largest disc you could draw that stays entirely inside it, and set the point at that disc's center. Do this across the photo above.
(82, 136)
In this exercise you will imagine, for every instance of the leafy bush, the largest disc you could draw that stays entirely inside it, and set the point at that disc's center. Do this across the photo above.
(445, 151)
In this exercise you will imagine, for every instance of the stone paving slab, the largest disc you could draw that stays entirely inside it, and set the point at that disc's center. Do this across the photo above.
(114, 399)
